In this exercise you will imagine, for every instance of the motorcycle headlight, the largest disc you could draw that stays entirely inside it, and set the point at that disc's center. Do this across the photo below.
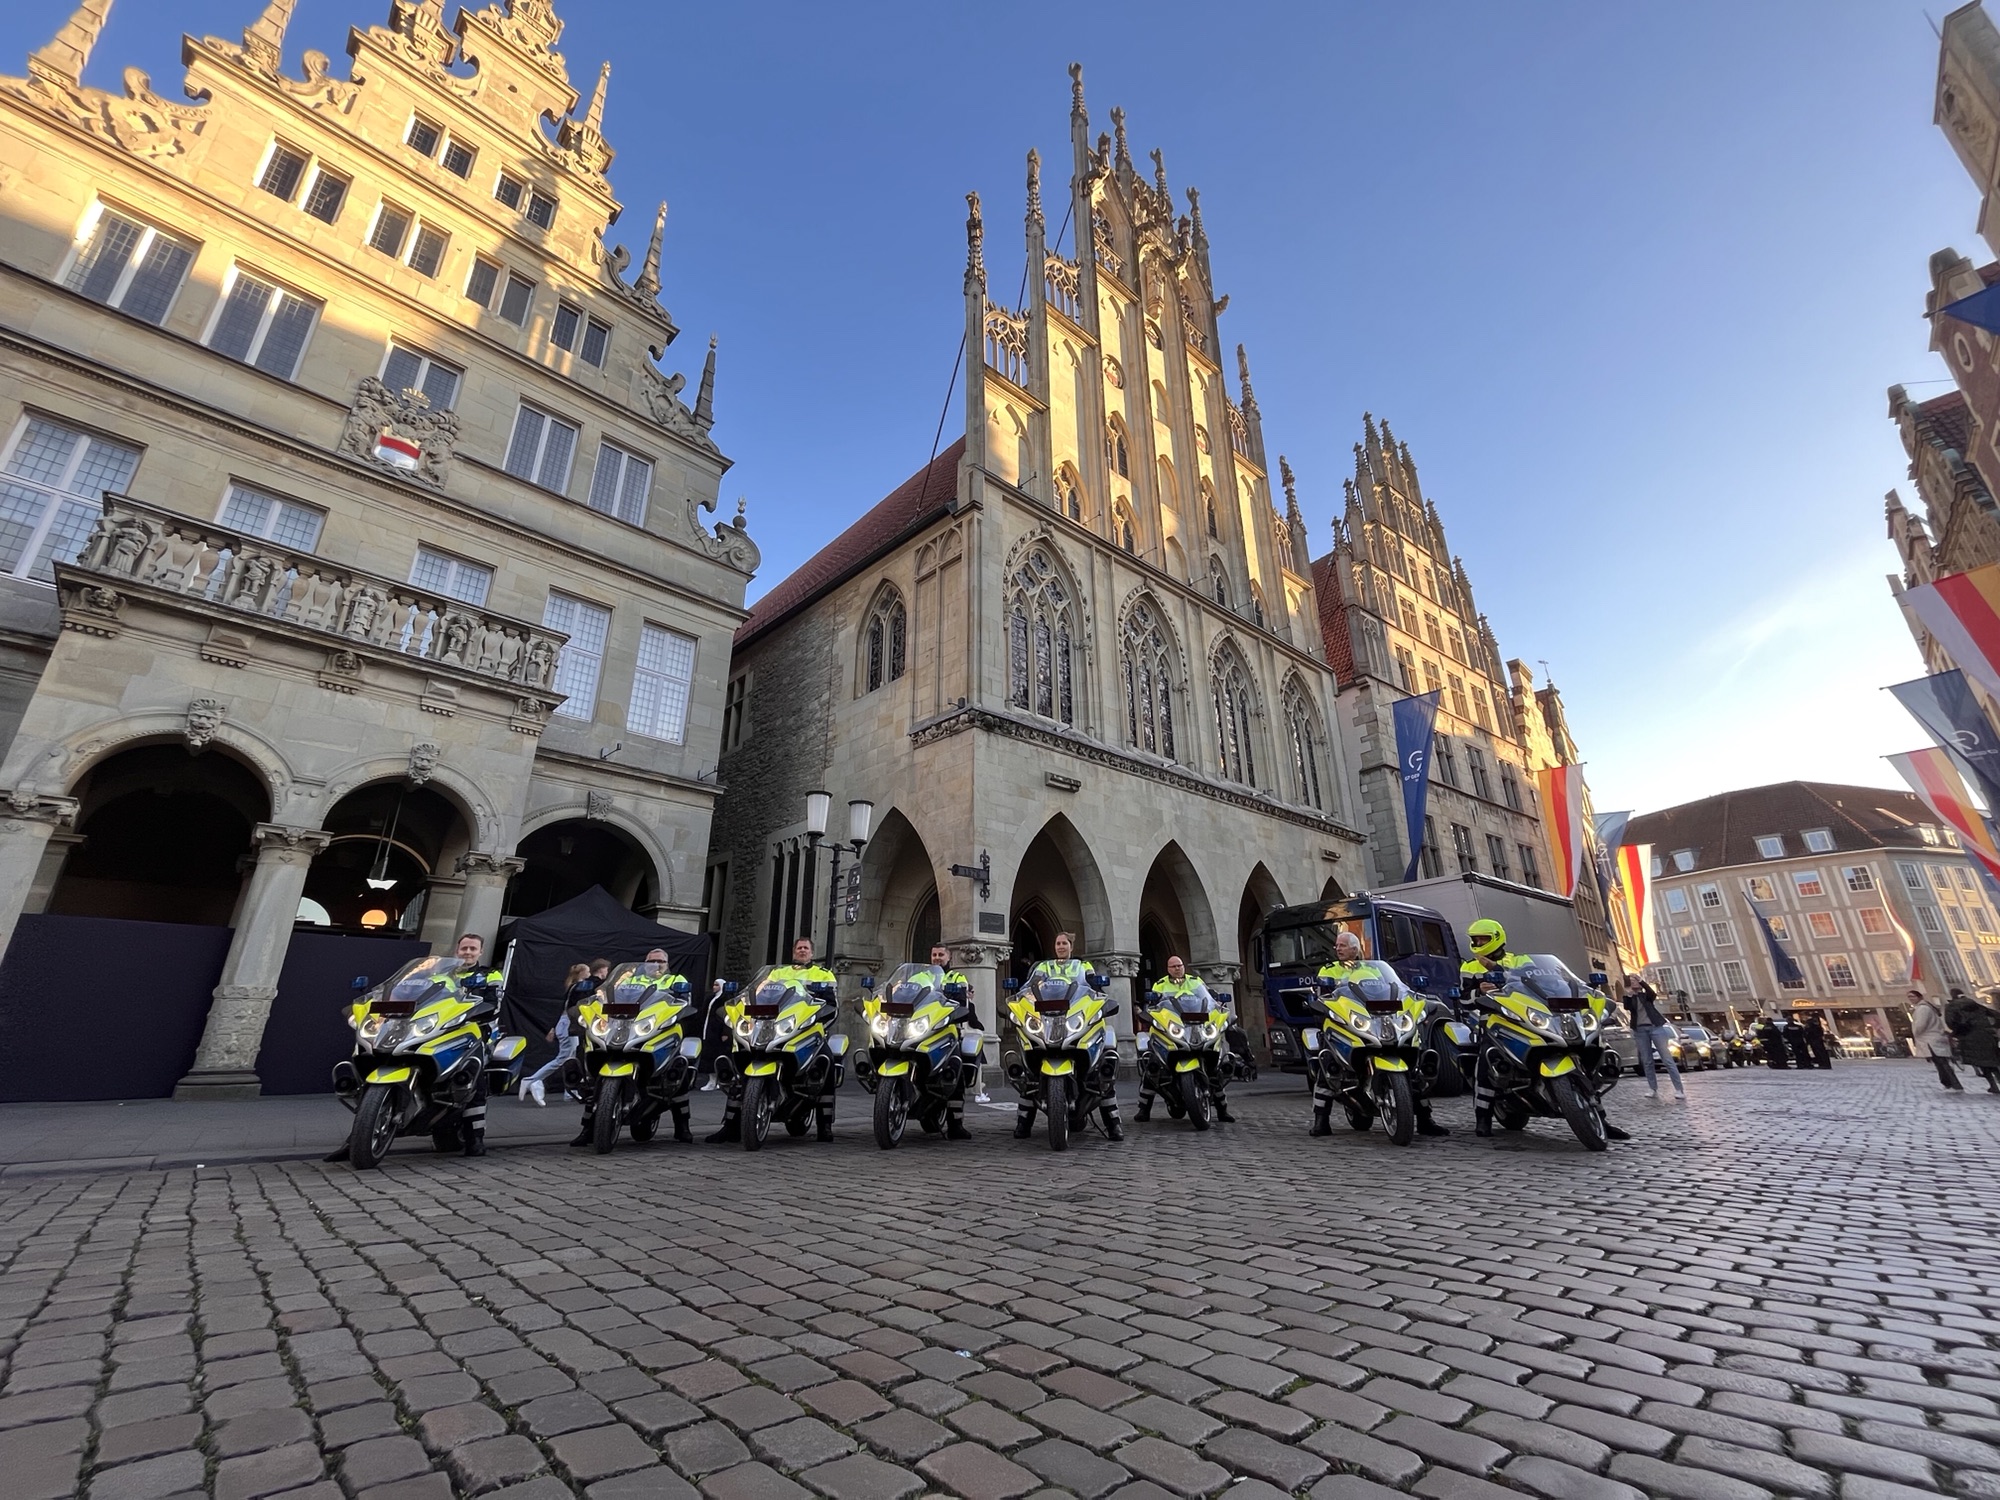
(918, 1028)
(1209, 1032)
(744, 1027)
(371, 1028)
(1176, 1030)
(1543, 1022)
(1075, 1026)
(786, 1026)
(644, 1027)
(1587, 1021)
(880, 1025)
(600, 1027)
(422, 1027)
(1403, 1024)
(1032, 1025)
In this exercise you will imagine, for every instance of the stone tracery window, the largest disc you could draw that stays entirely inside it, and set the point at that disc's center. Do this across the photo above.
(1302, 732)
(1257, 603)
(1117, 449)
(1235, 753)
(886, 641)
(1041, 637)
(1069, 493)
(1208, 508)
(1148, 667)
(1218, 582)
(1123, 530)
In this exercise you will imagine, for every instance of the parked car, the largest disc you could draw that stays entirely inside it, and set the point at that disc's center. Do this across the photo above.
(1619, 1041)
(1694, 1047)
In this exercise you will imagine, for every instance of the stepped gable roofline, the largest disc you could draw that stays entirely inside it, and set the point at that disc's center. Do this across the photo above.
(926, 496)
(1723, 830)
(1946, 418)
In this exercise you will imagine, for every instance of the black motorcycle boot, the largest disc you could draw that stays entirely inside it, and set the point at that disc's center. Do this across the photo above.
(1613, 1133)
(1024, 1122)
(1222, 1111)
(681, 1131)
(1426, 1125)
(1482, 1122)
(1145, 1109)
(1322, 1120)
(475, 1143)
(731, 1130)
(954, 1128)
(585, 1132)
(338, 1153)
(1113, 1131)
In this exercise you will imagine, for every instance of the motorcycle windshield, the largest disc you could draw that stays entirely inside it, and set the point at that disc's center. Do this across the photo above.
(1547, 977)
(418, 982)
(1053, 992)
(1374, 991)
(640, 984)
(909, 994)
(771, 992)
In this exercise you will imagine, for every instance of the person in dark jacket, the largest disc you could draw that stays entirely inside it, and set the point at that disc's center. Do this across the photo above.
(1771, 1033)
(1795, 1039)
(1815, 1030)
(1978, 1038)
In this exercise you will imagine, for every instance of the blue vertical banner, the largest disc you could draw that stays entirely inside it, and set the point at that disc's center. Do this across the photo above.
(1782, 963)
(1943, 703)
(1416, 722)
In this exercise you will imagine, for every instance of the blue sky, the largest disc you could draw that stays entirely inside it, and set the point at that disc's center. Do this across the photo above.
(1631, 281)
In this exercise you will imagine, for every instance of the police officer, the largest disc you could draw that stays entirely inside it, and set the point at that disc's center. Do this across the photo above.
(1351, 963)
(1486, 969)
(657, 974)
(1071, 969)
(1168, 991)
(957, 988)
(819, 982)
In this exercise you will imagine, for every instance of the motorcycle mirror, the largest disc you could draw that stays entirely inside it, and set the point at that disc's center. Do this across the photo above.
(1422, 982)
(360, 983)
(1111, 1010)
(1599, 979)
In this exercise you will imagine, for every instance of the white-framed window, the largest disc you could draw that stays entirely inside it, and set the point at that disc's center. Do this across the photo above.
(1760, 888)
(1663, 979)
(1957, 916)
(1771, 845)
(287, 168)
(1928, 919)
(327, 195)
(661, 684)
(1722, 934)
(1684, 859)
(124, 262)
(431, 140)
(422, 250)
(1711, 897)
(620, 484)
(53, 478)
(1941, 877)
(284, 170)
(454, 577)
(408, 370)
(1677, 901)
(1822, 925)
(424, 136)
(1874, 921)
(510, 190)
(534, 205)
(581, 664)
(541, 209)
(262, 324)
(587, 337)
(1964, 876)
(1859, 877)
(1818, 840)
(541, 448)
(1735, 978)
(1913, 875)
(269, 518)
(1979, 919)
(1976, 961)
(1808, 883)
(1839, 972)
(1781, 927)
(1698, 979)
(1690, 938)
(1891, 966)
(1944, 963)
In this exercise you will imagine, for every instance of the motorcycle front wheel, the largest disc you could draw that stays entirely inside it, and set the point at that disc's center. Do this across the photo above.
(892, 1113)
(1055, 1099)
(374, 1127)
(1194, 1096)
(610, 1100)
(757, 1112)
(1584, 1113)
(1397, 1106)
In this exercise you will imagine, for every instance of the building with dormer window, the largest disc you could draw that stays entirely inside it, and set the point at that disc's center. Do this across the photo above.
(356, 573)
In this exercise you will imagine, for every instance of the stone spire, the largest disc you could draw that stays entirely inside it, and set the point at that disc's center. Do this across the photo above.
(593, 118)
(1194, 213)
(1076, 110)
(1243, 379)
(704, 400)
(1124, 152)
(975, 245)
(1295, 520)
(649, 273)
(264, 41)
(1410, 472)
(1036, 224)
(63, 60)
(1160, 181)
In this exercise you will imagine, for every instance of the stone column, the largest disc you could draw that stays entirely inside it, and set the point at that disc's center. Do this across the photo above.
(980, 963)
(486, 877)
(27, 823)
(226, 1062)
(1123, 969)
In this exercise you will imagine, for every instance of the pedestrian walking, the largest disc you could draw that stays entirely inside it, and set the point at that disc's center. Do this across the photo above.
(1930, 1037)
(578, 986)
(1795, 1039)
(1978, 1038)
(1651, 1031)
(714, 1039)
(1816, 1045)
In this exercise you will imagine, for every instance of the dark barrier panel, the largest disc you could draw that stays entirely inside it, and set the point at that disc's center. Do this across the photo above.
(139, 991)
(308, 1031)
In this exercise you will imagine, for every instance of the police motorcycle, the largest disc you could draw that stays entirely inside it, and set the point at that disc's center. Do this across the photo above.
(1068, 1062)
(923, 1046)
(1183, 1056)
(421, 1046)
(1366, 1053)
(1542, 1049)
(637, 1054)
(784, 1061)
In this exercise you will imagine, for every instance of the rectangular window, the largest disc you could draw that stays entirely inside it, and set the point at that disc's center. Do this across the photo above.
(1941, 877)
(1957, 916)
(1839, 973)
(131, 266)
(1711, 897)
(1735, 978)
(517, 299)
(586, 337)
(1821, 924)
(620, 484)
(1771, 845)
(1979, 919)
(1964, 875)
(541, 210)
(480, 284)
(1406, 669)
(392, 228)
(1891, 967)
(562, 332)
(326, 196)
(1431, 859)
(541, 449)
(1859, 878)
(458, 158)
(1945, 963)
(1818, 840)
(735, 703)
(1685, 859)
(1445, 757)
(1531, 870)
(52, 488)
(1475, 762)
(1480, 710)
(427, 253)
(423, 137)
(714, 894)
(1807, 883)
(453, 577)
(407, 370)
(1677, 901)
(661, 684)
(257, 514)
(582, 661)
(1461, 846)
(1722, 934)
(1874, 921)
(1781, 928)
(284, 170)
(1928, 919)
(1510, 789)
(262, 325)
(508, 189)
(1760, 888)
(1432, 682)
(1458, 703)
(1690, 939)
(1698, 979)
(1496, 855)
(1913, 876)
(596, 342)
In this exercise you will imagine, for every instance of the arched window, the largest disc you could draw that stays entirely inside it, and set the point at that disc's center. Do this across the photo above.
(1041, 636)
(1208, 507)
(1117, 450)
(1234, 755)
(1256, 603)
(1148, 668)
(1218, 582)
(1123, 531)
(1302, 730)
(1281, 536)
(1069, 493)
(1153, 334)
(885, 641)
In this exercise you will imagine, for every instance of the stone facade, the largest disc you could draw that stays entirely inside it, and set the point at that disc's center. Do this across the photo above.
(1078, 650)
(335, 450)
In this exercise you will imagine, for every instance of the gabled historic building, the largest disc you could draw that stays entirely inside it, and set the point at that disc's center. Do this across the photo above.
(1078, 652)
(355, 570)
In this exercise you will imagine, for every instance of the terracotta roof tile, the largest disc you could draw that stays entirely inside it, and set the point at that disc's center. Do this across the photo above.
(1723, 830)
(1946, 418)
(1333, 619)
(915, 503)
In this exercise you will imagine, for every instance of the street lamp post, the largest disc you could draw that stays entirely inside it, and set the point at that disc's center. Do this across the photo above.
(860, 813)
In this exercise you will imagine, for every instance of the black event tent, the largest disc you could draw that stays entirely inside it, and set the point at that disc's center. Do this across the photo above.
(592, 925)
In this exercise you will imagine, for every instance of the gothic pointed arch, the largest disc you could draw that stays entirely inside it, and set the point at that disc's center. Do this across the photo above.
(1069, 493)
(1044, 631)
(1117, 446)
(1124, 528)
(1236, 713)
(1305, 744)
(1258, 611)
(885, 641)
(1208, 511)
(1152, 678)
(1218, 581)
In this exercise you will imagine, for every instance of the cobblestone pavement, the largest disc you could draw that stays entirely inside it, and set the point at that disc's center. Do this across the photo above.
(1785, 1287)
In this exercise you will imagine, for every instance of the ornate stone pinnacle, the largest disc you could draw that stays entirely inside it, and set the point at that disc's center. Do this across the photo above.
(1243, 378)
(1034, 188)
(1076, 108)
(1160, 174)
(704, 399)
(1124, 157)
(1194, 209)
(264, 41)
(975, 244)
(1290, 482)
(649, 273)
(593, 118)
(63, 59)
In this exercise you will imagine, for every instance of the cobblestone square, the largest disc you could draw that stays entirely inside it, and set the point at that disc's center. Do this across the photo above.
(1785, 1287)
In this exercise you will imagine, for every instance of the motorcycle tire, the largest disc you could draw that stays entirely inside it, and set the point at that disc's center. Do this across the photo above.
(446, 1139)
(823, 1118)
(643, 1127)
(1450, 1080)
(610, 1101)
(1055, 1100)
(892, 1113)
(1359, 1116)
(1398, 1110)
(756, 1116)
(1584, 1113)
(1194, 1096)
(797, 1125)
(374, 1127)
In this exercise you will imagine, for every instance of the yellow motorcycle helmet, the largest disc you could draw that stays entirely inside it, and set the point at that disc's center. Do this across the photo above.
(1488, 937)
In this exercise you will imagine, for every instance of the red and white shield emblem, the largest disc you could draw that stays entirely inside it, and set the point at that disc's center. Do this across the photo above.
(395, 449)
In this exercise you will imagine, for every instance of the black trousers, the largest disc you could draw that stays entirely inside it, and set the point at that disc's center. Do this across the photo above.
(1945, 1074)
